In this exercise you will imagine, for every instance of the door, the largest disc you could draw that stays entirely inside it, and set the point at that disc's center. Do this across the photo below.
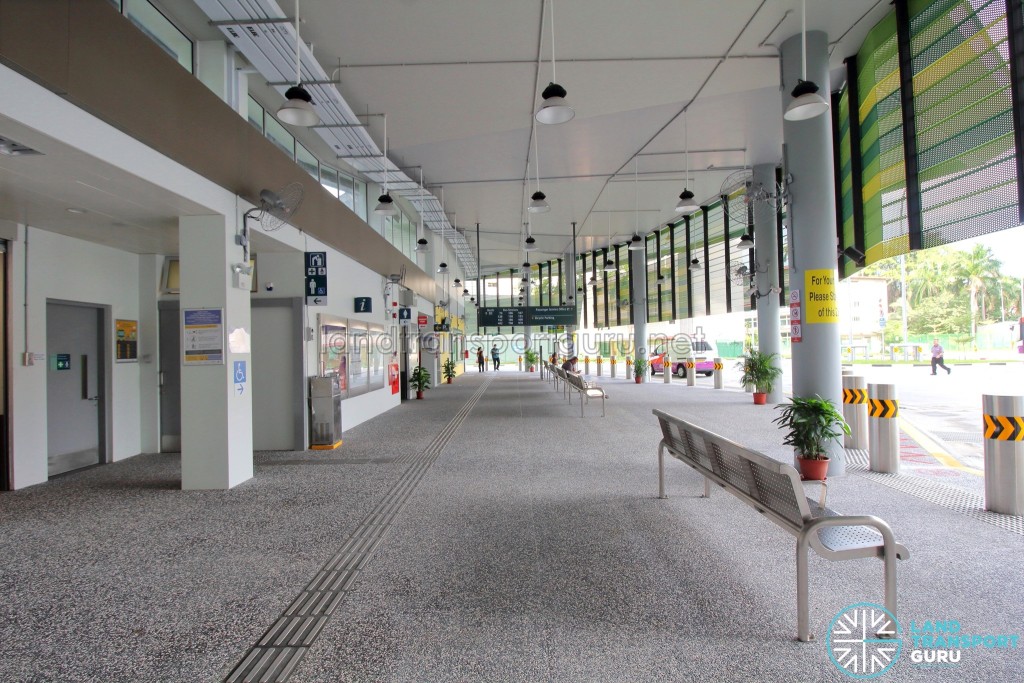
(276, 380)
(74, 384)
(170, 378)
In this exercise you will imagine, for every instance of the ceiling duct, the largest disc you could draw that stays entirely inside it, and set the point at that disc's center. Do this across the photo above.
(270, 48)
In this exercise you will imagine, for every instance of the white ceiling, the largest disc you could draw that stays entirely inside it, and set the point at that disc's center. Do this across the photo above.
(460, 81)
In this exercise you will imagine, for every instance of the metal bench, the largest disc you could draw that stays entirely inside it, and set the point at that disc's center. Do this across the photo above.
(575, 383)
(774, 489)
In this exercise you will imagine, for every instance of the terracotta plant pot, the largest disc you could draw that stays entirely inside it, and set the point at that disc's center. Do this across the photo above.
(812, 469)
(449, 380)
(531, 368)
(637, 378)
(760, 399)
(419, 394)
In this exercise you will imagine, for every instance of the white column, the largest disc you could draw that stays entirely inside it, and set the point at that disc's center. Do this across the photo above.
(639, 262)
(766, 267)
(817, 366)
(150, 270)
(216, 417)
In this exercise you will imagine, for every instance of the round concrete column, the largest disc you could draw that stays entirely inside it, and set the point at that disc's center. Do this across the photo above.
(638, 259)
(766, 267)
(812, 234)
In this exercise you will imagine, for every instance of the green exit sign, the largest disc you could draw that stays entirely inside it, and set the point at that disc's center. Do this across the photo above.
(63, 361)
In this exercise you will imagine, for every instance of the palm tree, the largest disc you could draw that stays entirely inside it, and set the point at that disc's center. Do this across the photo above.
(977, 269)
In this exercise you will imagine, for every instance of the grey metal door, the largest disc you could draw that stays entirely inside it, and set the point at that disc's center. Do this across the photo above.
(74, 385)
(170, 379)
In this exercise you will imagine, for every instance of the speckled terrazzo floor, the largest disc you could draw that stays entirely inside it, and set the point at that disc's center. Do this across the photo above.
(533, 549)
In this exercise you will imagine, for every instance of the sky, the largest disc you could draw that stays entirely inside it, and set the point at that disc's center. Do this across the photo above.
(1006, 245)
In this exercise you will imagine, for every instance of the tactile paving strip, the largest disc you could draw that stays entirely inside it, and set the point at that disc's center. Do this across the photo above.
(949, 497)
(278, 652)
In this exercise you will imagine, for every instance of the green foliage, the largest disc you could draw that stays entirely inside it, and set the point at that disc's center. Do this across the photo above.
(759, 369)
(448, 369)
(420, 378)
(812, 422)
(530, 356)
(640, 365)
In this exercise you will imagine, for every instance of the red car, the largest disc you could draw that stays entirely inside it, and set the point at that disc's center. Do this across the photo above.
(703, 355)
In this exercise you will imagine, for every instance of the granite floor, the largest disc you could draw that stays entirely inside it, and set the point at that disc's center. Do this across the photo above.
(530, 546)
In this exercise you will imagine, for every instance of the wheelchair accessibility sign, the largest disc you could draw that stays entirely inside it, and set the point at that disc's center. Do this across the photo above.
(239, 377)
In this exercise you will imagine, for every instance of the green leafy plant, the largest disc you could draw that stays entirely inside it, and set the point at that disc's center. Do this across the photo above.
(531, 357)
(420, 378)
(759, 370)
(812, 422)
(447, 369)
(640, 365)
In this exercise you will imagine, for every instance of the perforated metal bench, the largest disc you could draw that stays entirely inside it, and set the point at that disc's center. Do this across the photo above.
(575, 383)
(774, 489)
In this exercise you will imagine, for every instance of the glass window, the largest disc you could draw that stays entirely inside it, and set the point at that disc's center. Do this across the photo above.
(358, 358)
(308, 162)
(333, 351)
(281, 138)
(329, 179)
(345, 191)
(255, 114)
(150, 21)
(381, 351)
(360, 199)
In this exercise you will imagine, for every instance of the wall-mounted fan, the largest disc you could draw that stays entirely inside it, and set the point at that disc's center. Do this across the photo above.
(736, 190)
(275, 208)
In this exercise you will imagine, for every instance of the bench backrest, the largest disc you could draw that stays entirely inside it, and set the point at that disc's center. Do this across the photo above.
(769, 485)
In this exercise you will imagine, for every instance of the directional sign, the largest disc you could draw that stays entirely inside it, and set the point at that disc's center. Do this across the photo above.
(239, 376)
(364, 304)
(405, 315)
(316, 278)
(1004, 428)
(421, 319)
(883, 407)
(855, 396)
(63, 361)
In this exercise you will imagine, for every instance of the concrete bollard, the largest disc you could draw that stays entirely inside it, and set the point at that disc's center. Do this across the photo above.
(719, 374)
(883, 428)
(1003, 418)
(855, 411)
(666, 369)
(612, 363)
(691, 372)
(599, 366)
(586, 365)
(520, 363)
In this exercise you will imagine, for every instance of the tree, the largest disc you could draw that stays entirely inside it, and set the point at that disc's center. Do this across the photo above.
(978, 268)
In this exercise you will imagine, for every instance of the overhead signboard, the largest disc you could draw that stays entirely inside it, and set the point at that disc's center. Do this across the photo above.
(515, 316)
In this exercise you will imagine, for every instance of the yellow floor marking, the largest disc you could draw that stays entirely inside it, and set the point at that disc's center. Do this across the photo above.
(935, 450)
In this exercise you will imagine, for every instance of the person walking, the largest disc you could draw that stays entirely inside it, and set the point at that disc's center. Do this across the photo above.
(480, 358)
(495, 357)
(937, 358)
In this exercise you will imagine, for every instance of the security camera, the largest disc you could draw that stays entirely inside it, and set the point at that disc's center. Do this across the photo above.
(269, 286)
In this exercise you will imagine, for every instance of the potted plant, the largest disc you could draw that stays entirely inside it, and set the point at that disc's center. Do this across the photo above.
(640, 365)
(448, 370)
(812, 422)
(420, 380)
(760, 372)
(531, 358)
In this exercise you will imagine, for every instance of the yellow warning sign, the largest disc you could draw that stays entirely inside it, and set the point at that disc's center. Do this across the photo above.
(820, 305)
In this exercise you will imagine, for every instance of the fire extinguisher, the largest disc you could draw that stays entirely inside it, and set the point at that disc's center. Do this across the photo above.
(465, 353)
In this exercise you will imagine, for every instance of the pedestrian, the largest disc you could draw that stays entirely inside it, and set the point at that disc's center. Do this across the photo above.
(495, 357)
(937, 357)
(480, 358)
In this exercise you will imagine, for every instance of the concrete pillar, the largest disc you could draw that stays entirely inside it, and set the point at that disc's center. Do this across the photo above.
(216, 417)
(571, 298)
(812, 234)
(766, 268)
(638, 260)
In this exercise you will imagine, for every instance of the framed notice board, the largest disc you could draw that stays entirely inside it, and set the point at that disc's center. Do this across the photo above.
(126, 342)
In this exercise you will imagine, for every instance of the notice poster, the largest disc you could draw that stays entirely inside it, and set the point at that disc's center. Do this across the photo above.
(126, 345)
(203, 336)
(820, 304)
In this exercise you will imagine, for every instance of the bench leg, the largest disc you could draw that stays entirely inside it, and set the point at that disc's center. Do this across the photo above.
(803, 628)
(581, 404)
(889, 560)
(602, 405)
(707, 487)
(661, 470)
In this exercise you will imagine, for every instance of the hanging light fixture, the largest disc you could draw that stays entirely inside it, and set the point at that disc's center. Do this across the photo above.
(529, 244)
(456, 283)
(554, 109)
(385, 205)
(465, 293)
(687, 204)
(746, 241)
(422, 245)
(806, 103)
(538, 200)
(637, 242)
(609, 265)
(298, 110)
(694, 265)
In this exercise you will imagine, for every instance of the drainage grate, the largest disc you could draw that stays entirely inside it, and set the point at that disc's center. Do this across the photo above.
(960, 437)
(949, 497)
(275, 656)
